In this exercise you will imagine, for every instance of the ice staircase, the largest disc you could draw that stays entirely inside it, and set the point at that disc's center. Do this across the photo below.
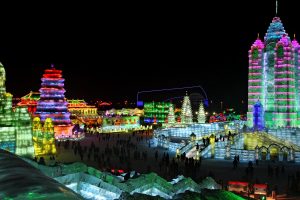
(187, 148)
(206, 152)
(283, 140)
(192, 153)
(290, 135)
(220, 149)
(297, 157)
(244, 155)
(220, 153)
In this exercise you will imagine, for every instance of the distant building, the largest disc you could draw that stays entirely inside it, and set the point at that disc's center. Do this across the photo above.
(102, 105)
(30, 101)
(121, 121)
(80, 108)
(125, 112)
(156, 112)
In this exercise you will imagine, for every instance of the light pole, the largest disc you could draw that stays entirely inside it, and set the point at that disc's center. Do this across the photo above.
(221, 106)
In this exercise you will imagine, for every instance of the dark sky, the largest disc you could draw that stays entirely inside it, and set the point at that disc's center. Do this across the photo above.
(111, 52)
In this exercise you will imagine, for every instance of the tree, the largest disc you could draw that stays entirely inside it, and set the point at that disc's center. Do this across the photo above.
(201, 114)
(171, 115)
(186, 111)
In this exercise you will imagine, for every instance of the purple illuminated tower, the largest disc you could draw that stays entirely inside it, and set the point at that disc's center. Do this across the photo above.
(52, 103)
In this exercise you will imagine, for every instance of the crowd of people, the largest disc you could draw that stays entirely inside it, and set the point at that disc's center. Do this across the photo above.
(133, 151)
(129, 152)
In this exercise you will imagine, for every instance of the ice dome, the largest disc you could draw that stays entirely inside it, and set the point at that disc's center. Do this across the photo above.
(20, 180)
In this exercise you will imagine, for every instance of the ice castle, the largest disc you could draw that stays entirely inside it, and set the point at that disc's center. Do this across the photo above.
(273, 78)
(15, 124)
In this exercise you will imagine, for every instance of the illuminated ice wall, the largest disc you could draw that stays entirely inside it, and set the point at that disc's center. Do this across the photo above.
(15, 124)
(273, 78)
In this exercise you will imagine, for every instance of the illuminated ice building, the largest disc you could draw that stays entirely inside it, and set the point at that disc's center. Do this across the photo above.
(15, 124)
(274, 78)
(52, 103)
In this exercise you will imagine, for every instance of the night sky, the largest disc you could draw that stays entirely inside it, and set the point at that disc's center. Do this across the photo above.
(111, 52)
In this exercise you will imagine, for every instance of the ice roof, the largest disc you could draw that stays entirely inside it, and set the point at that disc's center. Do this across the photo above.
(20, 180)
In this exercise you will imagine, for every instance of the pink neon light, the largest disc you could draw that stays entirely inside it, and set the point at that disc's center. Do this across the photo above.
(254, 93)
(254, 67)
(284, 72)
(258, 43)
(287, 58)
(286, 55)
(289, 106)
(286, 119)
(294, 113)
(254, 86)
(295, 43)
(254, 63)
(284, 40)
(284, 92)
(284, 65)
(284, 79)
(255, 80)
(254, 73)
(259, 50)
(284, 86)
(284, 99)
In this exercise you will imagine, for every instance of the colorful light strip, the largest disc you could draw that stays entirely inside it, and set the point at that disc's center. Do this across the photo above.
(284, 72)
(284, 79)
(254, 93)
(255, 73)
(255, 80)
(286, 93)
(284, 86)
(255, 86)
(255, 67)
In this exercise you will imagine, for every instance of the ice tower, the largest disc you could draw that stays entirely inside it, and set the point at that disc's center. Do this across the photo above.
(186, 111)
(273, 78)
(52, 103)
